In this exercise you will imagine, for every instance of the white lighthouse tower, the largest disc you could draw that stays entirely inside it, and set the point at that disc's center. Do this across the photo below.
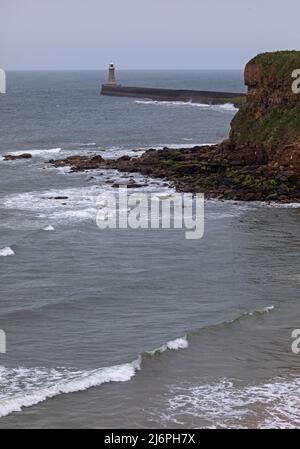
(111, 76)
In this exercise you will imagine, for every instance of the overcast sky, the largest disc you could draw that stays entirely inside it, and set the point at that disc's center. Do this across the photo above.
(157, 34)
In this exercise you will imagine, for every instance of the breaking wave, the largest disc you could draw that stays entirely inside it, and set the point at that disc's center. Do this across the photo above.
(49, 228)
(234, 319)
(42, 153)
(223, 107)
(75, 204)
(25, 387)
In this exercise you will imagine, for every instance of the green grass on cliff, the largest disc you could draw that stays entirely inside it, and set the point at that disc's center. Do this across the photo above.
(275, 128)
(274, 123)
(280, 62)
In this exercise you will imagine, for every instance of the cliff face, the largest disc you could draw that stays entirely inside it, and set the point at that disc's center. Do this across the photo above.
(267, 127)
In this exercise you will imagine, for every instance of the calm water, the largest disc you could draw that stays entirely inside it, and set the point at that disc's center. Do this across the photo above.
(136, 328)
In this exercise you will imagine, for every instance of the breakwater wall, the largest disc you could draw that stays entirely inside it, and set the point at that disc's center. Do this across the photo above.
(194, 96)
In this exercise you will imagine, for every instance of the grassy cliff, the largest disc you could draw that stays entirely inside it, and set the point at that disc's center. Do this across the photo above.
(271, 115)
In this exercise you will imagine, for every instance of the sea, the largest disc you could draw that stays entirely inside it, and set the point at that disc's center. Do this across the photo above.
(137, 328)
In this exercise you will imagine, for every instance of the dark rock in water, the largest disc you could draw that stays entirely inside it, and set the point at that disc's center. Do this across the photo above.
(11, 157)
(58, 198)
(131, 185)
(79, 163)
(136, 186)
(124, 158)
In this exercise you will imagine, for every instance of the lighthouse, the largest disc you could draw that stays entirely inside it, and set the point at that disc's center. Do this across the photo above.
(111, 76)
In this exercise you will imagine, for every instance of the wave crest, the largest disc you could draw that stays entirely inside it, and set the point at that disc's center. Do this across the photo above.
(53, 382)
(33, 153)
(223, 107)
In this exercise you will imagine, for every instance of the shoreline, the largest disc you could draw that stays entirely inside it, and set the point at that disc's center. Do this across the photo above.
(190, 170)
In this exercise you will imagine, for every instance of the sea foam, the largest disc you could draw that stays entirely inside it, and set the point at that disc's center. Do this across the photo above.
(49, 228)
(226, 403)
(7, 251)
(43, 153)
(228, 107)
(55, 382)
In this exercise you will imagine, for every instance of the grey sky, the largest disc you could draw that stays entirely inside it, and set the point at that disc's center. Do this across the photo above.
(88, 34)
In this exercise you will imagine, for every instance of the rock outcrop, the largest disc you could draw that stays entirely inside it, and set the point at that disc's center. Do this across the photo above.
(259, 161)
(12, 157)
(268, 125)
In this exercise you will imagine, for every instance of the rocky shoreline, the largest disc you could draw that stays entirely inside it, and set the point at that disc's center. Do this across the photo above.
(197, 170)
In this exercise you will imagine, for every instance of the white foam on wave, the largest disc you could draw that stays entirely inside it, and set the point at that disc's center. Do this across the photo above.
(170, 103)
(42, 153)
(243, 205)
(25, 387)
(229, 107)
(259, 311)
(77, 203)
(172, 345)
(216, 209)
(275, 205)
(89, 213)
(63, 170)
(273, 404)
(251, 313)
(49, 228)
(7, 251)
(116, 152)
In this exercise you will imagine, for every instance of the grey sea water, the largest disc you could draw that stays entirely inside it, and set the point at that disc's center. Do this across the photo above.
(136, 328)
